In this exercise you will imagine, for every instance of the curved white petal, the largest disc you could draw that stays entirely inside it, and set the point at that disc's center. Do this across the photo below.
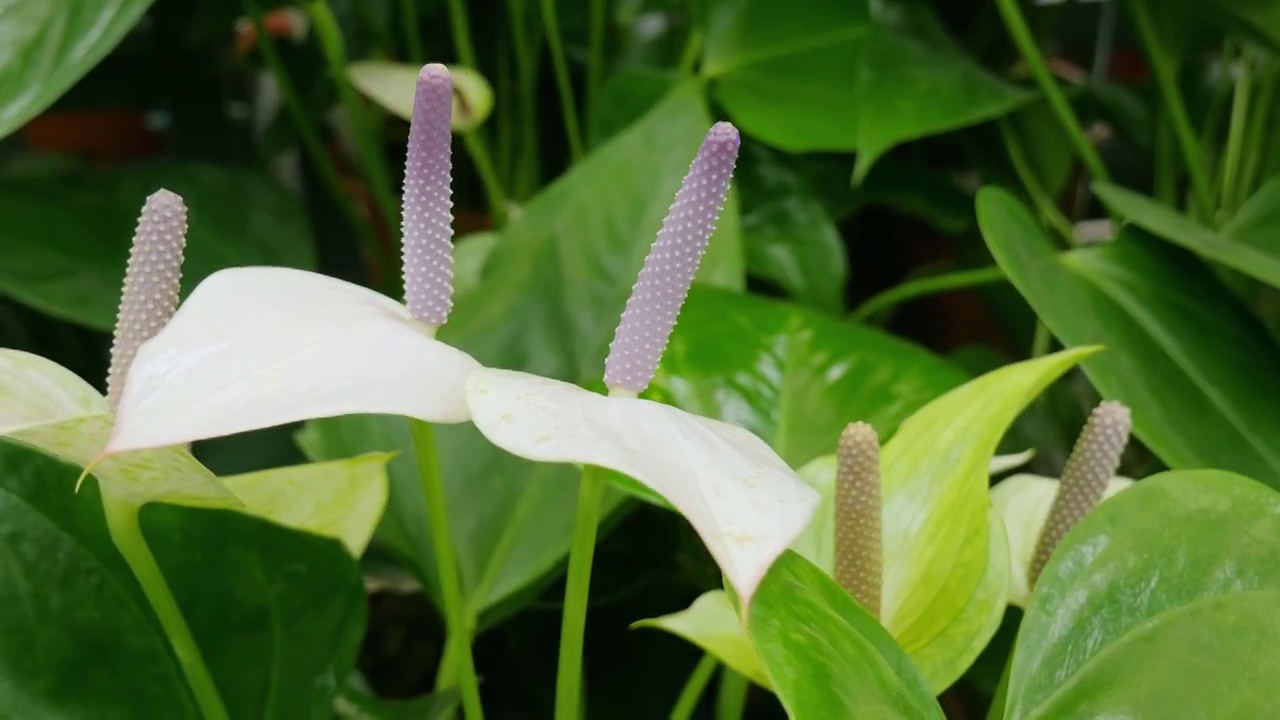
(740, 497)
(1001, 464)
(34, 391)
(1024, 502)
(341, 499)
(258, 347)
(167, 474)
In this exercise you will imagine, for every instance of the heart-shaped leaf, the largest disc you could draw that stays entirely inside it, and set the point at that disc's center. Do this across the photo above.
(1197, 370)
(1132, 620)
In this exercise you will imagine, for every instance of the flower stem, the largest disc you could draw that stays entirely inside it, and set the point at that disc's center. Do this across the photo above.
(412, 31)
(921, 287)
(455, 612)
(1020, 32)
(1229, 183)
(595, 54)
(122, 524)
(1162, 65)
(1000, 699)
(694, 687)
(1031, 183)
(577, 588)
(567, 106)
(731, 701)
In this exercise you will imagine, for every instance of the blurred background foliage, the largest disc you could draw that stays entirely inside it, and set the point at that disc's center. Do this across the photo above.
(873, 285)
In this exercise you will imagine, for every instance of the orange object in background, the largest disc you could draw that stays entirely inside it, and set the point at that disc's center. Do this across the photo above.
(107, 135)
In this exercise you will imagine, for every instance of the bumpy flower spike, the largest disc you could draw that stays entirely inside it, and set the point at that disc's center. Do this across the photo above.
(673, 259)
(1092, 464)
(151, 282)
(859, 553)
(426, 222)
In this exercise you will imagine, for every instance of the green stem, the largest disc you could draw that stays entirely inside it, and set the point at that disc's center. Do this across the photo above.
(577, 588)
(455, 612)
(692, 48)
(921, 287)
(687, 703)
(1229, 181)
(412, 30)
(561, 65)
(1166, 74)
(1031, 182)
(122, 524)
(595, 54)
(1040, 340)
(375, 165)
(526, 73)
(999, 700)
(461, 29)
(493, 193)
(731, 700)
(1257, 134)
(380, 255)
(1165, 169)
(1026, 44)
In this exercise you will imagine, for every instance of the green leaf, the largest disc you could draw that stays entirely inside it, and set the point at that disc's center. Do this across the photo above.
(792, 376)
(817, 75)
(392, 86)
(788, 237)
(826, 656)
(712, 624)
(945, 576)
(247, 588)
(1132, 620)
(64, 240)
(50, 44)
(1248, 243)
(342, 500)
(1198, 372)
(549, 298)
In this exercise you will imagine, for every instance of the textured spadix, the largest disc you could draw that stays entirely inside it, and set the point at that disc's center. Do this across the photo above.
(859, 544)
(673, 259)
(1091, 465)
(426, 222)
(151, 282)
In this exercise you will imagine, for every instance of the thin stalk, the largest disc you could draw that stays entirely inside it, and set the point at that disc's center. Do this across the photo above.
(1256, 134)
(577, 588)
(1166, 74)
(568, 107)
(595, 54)
(687, 703)
(731, 700)
(122, 524)
(1041, 340)
(375, 165)
(999, 700)
(526, 72)
(461, 28)
(382, 256)
(1229, 180)
(1165, 168)
(494, 195)
(692, 48)
(1031, 183)
(457, 623)
(1020, 32)
(412, 30)
(921, 287)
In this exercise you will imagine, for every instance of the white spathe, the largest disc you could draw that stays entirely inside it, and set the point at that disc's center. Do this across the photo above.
(1024, 502)
(741, 498)
(258, 347)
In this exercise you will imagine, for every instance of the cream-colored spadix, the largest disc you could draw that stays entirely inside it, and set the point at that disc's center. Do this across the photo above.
(258, 347)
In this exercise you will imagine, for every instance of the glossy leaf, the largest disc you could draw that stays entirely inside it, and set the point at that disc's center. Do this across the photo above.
(50, 44)
(789, 239)
(826, 656)
(342, 500)
(64, 239)
(1196, 369)
(73, 602)
(818, 75)
(391, 85)
(712, 624)
(1248, 243)
(548, 300)
(792, 376)
(1185, 620)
